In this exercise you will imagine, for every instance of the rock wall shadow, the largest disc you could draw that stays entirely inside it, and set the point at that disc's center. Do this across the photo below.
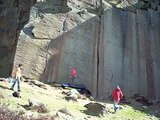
(51, 70)
(14, 15)
(152, 110)
(88, 112)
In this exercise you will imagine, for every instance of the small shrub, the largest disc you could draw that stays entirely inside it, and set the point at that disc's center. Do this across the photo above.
(47, 117)
(41, 108)
(1, 96)
(38, 106)
(7, 114)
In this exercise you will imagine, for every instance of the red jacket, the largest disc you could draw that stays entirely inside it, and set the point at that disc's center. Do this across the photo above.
(74, 73)
(117, 94)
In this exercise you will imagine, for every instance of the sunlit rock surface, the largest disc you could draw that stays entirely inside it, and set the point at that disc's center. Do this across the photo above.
(107, 47)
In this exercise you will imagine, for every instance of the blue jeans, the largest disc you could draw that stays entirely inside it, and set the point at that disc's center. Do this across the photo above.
(17, 80)
(116, 107)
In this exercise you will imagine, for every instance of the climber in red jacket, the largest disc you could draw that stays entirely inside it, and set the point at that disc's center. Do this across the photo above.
(117, 96)
(73, 75)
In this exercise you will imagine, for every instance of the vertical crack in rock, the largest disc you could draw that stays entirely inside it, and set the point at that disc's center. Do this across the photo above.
(98, 60)
(16, 3)
(149, 69)
(23, 17)
(98, 47)
(65, 26)
(124, 31)
(138, 53)
(46, 60)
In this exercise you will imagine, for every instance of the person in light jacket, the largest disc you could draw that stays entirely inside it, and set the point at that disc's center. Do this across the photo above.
(17, 77)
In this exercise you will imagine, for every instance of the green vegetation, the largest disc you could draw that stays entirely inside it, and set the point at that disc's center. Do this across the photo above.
(54, 100)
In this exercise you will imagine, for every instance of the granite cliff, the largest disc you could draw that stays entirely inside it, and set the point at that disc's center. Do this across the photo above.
(109, 42)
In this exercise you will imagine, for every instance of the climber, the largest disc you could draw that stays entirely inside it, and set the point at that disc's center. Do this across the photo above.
(17, 77)
(73, 75)
(117, 96)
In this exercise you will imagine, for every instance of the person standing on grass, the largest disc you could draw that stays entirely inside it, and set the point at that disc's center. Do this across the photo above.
(73, 75)
(117, 96)
(17, 77)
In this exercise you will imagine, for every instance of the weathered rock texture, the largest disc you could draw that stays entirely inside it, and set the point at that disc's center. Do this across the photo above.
(107, 48)
(130, 55)
(13, 15)
(133, 5)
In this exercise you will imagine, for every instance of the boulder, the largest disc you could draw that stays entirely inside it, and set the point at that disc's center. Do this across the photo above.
(72, 94)
(95, 108)
(143, 100)
(34, 103)
(38, 106)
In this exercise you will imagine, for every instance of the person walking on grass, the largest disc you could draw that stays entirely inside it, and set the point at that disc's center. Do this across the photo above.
(117, 96)
(17, 78)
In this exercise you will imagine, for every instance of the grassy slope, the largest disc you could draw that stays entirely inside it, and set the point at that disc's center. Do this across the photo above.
(54, 100)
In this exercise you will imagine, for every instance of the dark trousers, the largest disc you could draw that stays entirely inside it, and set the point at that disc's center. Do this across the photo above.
(73, 80)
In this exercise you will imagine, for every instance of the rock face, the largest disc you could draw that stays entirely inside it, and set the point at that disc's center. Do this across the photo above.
(48, 39)
(107, 47)
(13, 15)
(133, 5)
(129, 56)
